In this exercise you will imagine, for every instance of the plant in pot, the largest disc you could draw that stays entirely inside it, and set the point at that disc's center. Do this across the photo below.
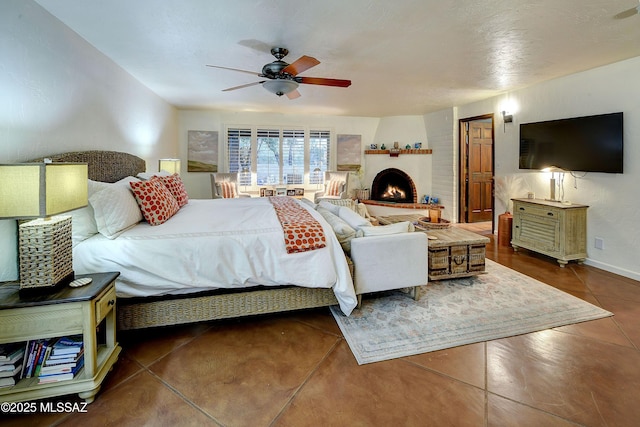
(361, 192)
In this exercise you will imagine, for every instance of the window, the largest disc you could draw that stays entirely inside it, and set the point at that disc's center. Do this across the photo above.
(268, 157)
(293, 156)
(239, 152)
(278, 156)
(319, 143)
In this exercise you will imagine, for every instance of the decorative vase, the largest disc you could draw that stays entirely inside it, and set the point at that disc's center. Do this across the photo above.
(505, 222)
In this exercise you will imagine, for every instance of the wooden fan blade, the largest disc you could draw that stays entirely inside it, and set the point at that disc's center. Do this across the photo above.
(243, 86)
(253, 73)
(293, 94)
(301, 64)
(627, 13)
(324, 82)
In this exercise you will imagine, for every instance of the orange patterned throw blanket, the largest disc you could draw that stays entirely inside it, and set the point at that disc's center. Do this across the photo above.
(302, 232)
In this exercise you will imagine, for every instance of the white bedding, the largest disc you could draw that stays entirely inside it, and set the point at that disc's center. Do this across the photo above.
(217, 243)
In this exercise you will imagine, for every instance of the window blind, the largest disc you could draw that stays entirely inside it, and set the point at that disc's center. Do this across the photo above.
(268, 154)
(319, 155)
(239, 154)
(293, 156)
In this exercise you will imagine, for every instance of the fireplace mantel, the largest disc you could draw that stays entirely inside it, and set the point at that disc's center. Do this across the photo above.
(401, 151)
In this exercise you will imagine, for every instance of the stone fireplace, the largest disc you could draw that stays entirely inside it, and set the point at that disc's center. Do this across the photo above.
(393, 186)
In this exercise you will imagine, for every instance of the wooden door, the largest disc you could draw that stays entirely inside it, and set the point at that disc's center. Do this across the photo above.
(477, 170)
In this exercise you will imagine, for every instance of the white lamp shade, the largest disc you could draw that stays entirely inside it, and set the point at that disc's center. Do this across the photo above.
(170, 165)
(38, 190)
(280, 86)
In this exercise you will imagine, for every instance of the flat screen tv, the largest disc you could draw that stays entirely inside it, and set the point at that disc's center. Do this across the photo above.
(585, 144)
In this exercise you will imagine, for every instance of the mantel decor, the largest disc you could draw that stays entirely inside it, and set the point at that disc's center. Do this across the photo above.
(395, 153)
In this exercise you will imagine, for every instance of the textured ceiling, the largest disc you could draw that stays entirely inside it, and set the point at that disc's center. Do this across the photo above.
(403, 57)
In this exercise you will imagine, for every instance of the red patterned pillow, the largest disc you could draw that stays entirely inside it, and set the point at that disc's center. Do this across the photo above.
(334, 187)
(176, 187)
(155, 200)
(227, 189)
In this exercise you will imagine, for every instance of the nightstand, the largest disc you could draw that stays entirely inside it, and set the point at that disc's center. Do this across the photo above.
(88, 310)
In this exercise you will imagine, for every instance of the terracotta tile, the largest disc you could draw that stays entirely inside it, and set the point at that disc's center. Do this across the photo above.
(602, 329)
(244, 373)
(626, 315)
(576, 378)
(385, 393)
(148, 345)
(142, 400)
(124, 368)
(608, 284)
(319, 318)
(464, 363)
(503, 413)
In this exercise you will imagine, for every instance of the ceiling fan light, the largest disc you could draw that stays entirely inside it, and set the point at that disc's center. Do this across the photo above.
(280, 86)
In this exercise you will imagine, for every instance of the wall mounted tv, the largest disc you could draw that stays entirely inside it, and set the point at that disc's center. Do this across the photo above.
(585, 144)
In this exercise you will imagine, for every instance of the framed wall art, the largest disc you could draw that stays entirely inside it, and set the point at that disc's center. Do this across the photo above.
(202, 151)
(348, 152)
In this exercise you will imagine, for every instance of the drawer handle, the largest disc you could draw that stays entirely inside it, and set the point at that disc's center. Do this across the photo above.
(111, 302)
(521, 209)
(458, 260)
(550, 213)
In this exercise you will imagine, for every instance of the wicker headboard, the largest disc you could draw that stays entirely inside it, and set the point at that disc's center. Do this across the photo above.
(104, 166)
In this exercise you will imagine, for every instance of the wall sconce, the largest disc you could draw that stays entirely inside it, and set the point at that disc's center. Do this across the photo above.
(42, 190)
(170, 165)
(506, 118)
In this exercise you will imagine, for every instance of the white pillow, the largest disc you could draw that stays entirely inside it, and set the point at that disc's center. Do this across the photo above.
(83, 224)
(352, 218)
(334, 209)
(145, 176)
(343, 231)
(115, 208)
(383, 230)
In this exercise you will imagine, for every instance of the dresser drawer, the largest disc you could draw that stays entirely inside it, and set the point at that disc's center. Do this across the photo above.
(105, 304)
(541, 211)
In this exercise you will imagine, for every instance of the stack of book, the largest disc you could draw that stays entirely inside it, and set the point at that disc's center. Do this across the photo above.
(63, 359)
(11, 356)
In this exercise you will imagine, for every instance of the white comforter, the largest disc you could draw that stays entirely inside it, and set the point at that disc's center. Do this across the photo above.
(218, 243)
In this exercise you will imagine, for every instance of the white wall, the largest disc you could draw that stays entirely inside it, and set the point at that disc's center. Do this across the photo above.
(405, 130)
(441, 131)
(198, 183)
(613, 198)
(59, 94)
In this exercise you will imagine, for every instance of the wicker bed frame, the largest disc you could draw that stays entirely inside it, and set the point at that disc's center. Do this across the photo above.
(136, 313)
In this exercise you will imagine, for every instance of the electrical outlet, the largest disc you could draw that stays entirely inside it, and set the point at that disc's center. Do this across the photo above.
(599, 243)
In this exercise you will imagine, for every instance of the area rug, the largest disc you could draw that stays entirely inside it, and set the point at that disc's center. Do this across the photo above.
(455, 312)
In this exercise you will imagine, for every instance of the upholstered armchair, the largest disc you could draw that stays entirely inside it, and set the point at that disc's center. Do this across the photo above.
(336, 186)
(225, 186)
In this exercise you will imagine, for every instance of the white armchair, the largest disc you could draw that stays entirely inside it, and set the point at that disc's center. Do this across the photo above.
(336, 186)
(225, 185)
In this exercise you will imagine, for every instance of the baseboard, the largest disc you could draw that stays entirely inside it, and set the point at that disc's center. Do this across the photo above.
(613, 269)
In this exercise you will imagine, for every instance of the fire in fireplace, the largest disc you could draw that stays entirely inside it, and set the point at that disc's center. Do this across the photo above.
(393, 185)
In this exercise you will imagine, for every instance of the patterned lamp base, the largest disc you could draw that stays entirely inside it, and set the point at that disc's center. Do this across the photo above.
(45, 248)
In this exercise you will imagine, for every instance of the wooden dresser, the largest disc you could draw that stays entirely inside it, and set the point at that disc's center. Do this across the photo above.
(550, 228)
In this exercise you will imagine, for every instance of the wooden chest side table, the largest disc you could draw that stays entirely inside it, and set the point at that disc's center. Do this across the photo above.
(453, 253)
(64, 312)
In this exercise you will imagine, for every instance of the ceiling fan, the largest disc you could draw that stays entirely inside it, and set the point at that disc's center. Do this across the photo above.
(282, 78)
(628, 13)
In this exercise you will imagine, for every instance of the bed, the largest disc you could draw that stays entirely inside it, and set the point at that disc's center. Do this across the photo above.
(214, 259)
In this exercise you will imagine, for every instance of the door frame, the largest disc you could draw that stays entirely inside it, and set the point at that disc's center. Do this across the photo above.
(462, 174)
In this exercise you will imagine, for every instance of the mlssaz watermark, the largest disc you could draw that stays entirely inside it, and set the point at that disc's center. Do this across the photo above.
(42, 407)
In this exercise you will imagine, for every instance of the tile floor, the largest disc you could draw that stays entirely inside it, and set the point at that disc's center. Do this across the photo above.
(296, 370)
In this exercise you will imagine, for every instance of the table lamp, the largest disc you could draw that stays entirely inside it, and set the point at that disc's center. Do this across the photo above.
(170, 165)
(42, 191)
(552, 181)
